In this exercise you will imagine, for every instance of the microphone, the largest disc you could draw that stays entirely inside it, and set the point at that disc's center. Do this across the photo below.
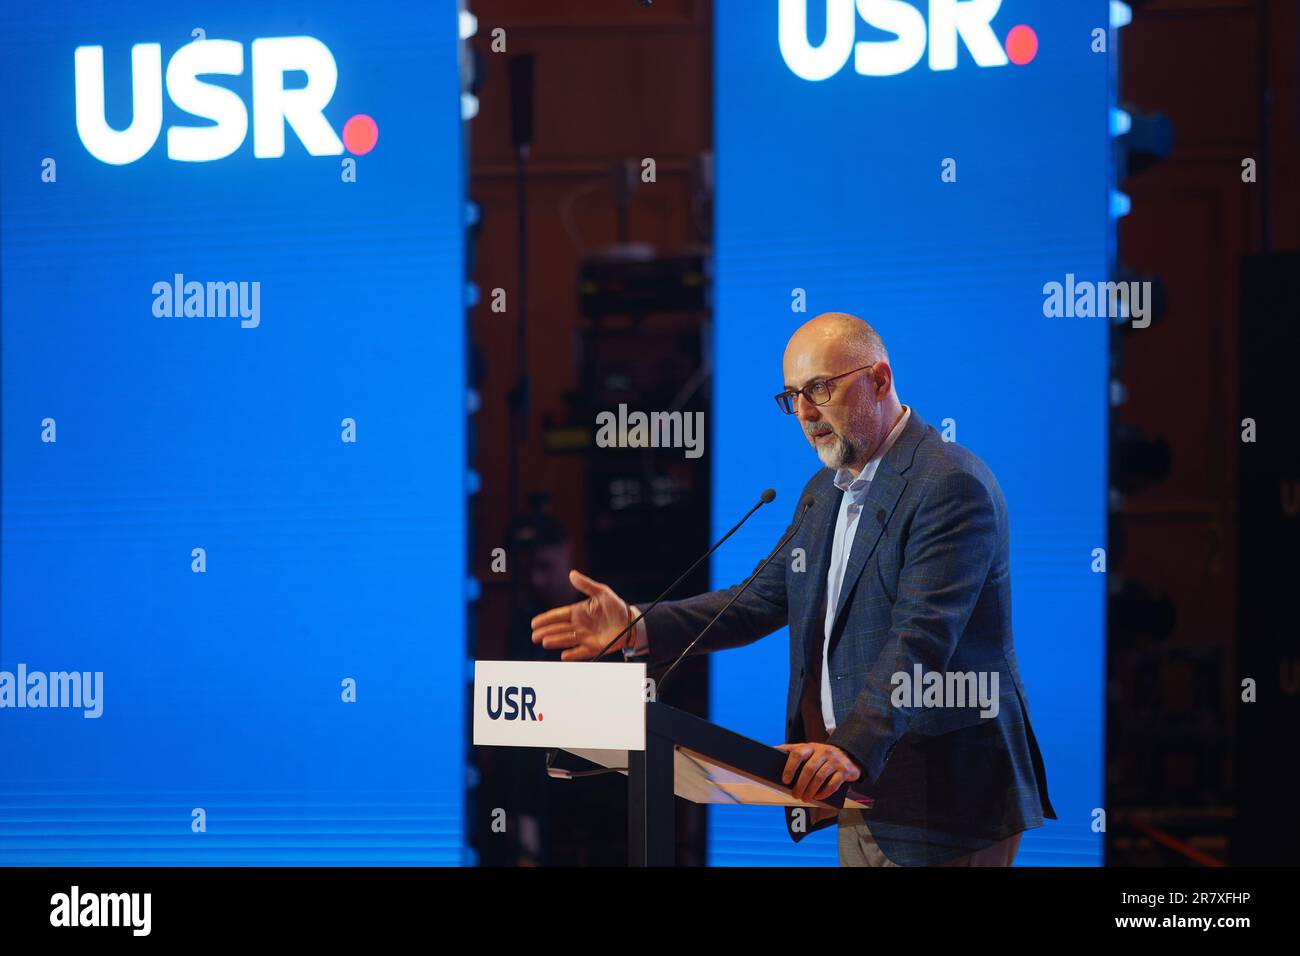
(766, 498)
(805, 506)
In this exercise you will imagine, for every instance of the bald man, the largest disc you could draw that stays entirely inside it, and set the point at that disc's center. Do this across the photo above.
(903, 675)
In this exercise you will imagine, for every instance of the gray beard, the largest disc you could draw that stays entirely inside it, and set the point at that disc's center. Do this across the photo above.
(839, 453)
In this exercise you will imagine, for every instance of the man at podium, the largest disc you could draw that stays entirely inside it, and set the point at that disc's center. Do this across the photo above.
(903, 674)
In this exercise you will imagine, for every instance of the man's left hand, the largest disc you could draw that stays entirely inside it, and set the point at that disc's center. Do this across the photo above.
(826, 768)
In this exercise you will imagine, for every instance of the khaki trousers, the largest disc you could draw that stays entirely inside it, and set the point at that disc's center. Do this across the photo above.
(859, 848)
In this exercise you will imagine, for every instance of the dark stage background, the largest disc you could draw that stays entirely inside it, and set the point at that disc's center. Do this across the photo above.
(616, 81)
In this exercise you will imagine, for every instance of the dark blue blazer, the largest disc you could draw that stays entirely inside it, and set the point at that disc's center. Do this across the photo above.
(928, 582)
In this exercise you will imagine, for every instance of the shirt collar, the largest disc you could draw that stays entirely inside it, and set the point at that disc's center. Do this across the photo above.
(856, 487)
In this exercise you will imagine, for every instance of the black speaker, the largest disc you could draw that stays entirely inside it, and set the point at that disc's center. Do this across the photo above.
(1268, 563)
(521, 100)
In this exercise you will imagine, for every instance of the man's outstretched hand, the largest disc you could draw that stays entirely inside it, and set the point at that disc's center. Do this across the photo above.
(582, 629)
(826, 768)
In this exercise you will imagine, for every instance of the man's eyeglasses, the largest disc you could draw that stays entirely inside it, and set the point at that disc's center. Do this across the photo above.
(817, 392)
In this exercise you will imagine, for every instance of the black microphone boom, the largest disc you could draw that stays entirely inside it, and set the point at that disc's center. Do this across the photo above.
(767, 497)
(805, 506)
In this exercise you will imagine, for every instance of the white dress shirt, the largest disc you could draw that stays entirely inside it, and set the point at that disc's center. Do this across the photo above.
(846, 526)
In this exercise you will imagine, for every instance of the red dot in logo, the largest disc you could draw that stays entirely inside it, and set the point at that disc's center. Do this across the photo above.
(539, 716)
(1022, 45)
(361, 133)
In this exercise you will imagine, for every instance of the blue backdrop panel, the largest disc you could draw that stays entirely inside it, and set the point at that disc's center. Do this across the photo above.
(834, 186)
(327, 561)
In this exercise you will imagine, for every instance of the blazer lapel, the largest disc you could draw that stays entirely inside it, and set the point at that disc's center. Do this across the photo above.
(827, 510)
(882, 496)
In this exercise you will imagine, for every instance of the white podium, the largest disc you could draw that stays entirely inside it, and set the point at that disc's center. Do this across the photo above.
(601, 713)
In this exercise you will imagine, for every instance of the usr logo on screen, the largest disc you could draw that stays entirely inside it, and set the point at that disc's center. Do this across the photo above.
(274, 105)
(971, 21)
